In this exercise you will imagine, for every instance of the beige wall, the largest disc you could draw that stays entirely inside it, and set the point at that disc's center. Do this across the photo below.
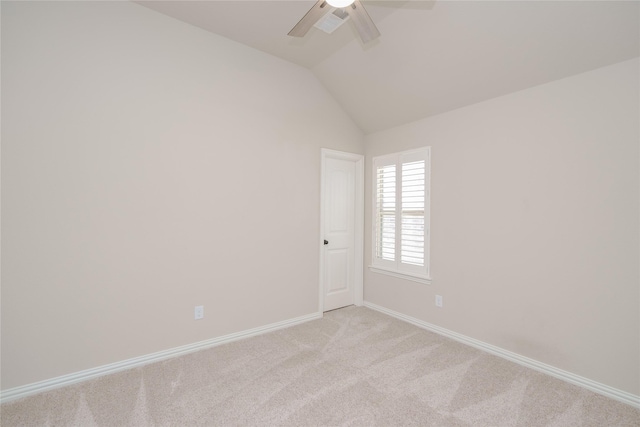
(535, 224)
(148, 167)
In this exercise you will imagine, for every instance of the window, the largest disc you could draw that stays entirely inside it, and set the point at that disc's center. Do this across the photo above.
(401, 214)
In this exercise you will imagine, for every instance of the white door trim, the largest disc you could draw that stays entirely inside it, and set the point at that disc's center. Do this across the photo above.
(358, 159)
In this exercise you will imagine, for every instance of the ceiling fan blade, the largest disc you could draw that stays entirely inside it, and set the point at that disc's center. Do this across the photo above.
(365, 26)
(315, 13)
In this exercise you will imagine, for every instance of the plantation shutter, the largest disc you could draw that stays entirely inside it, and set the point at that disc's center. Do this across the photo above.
(401, 207)
(386, 212)
(413, 194)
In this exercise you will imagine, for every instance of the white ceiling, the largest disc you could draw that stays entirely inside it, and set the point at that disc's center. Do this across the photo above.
(433, 56)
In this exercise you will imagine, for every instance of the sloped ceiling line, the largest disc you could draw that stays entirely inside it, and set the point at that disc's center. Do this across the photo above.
(433, 56)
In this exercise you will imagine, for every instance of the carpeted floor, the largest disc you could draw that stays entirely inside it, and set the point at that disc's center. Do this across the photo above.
(354, 367)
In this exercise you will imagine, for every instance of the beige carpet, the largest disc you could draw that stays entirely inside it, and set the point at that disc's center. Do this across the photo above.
(354, 367)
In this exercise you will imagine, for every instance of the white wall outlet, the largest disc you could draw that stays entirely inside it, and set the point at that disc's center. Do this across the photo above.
(438, 300)
(198, 312)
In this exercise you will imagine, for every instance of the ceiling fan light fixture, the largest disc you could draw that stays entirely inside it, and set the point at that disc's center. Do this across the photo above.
(340, 3)
(356, 13)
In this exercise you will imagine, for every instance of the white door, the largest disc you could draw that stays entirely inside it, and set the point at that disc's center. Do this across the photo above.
(341, 273)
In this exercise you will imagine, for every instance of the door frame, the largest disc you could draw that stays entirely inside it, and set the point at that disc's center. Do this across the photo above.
(358, 285)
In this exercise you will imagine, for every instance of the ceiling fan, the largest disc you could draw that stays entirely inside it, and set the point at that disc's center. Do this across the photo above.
(339, 11)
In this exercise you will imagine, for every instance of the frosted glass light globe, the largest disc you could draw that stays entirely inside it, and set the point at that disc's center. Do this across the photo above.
(340, 3)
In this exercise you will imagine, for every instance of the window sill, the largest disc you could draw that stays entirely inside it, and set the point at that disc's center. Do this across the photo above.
(415, 278)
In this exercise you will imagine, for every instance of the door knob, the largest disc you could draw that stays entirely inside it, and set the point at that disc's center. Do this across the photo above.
(326, 242)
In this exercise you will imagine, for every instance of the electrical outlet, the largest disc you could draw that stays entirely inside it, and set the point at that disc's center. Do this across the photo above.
(438, 300)
(199, 312)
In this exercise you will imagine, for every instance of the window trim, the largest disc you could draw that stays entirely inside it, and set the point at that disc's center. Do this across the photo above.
(420, 274)
(425, 280)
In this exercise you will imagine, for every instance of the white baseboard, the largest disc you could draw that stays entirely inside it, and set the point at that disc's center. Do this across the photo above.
(619, 395)
(39, 387)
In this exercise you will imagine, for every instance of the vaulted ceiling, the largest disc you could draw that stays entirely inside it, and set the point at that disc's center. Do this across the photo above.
(432, 56)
